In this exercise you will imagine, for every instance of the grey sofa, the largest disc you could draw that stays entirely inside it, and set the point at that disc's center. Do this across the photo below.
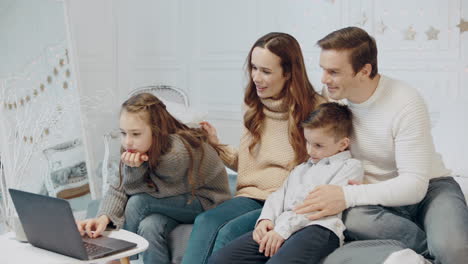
(179, 237)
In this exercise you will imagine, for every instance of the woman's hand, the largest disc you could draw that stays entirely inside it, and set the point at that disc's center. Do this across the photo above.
(211, 130)
(93, 227)
(261, 229)
(133, 159)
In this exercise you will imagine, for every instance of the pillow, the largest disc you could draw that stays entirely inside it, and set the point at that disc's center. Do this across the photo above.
(67, 176)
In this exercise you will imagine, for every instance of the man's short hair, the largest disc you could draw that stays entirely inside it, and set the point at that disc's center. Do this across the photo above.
(335, 117)
(361, 46)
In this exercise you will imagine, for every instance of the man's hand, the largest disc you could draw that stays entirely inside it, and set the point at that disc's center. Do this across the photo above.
(270, 243)
(261, 229)
(323, 201)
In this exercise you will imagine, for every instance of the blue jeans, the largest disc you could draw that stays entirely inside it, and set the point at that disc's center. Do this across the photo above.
(154, 218)
(218, 226)
(308, 245)
(364, 251)
(436, 227)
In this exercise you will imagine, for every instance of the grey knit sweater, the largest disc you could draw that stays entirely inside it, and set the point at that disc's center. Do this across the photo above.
(170, 179)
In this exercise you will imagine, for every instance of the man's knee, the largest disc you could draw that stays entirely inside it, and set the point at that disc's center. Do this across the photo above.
(359, 219)
(452, 251)
(364, 251)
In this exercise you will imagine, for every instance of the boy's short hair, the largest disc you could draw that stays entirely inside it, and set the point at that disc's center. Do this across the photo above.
(337, 118)
(361, 46)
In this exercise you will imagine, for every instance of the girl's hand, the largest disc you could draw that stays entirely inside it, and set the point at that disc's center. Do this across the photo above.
(133, 159)
(93, 227)
(211, 130)
(261, 229)
(270, 243)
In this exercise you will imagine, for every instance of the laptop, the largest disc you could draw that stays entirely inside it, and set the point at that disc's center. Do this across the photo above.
(49, 224)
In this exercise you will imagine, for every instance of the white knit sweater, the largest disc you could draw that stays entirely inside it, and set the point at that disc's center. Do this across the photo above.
(393, 140)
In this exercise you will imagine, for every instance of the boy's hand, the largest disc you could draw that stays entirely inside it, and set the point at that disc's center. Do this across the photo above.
(133, 159)
(270, 243)
(261, 229)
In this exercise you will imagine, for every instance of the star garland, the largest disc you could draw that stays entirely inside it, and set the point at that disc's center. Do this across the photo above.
(13, 105)
(432, 33)
(463, 26)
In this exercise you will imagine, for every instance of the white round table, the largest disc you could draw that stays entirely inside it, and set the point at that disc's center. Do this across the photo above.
(15, 252)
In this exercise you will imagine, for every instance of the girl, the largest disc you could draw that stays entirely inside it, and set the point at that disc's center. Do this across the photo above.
(277, 98)
(169, 174)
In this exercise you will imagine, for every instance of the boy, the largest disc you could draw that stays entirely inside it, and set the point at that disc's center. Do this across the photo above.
(327, 131)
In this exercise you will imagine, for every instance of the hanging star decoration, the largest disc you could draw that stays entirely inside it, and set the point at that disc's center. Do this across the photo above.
(432, 33)
(410, 33)
(363, 20)
(463, 26)
(381, 27)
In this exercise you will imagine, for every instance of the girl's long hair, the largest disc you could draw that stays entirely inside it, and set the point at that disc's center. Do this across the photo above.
(298, 93)
(163, 124)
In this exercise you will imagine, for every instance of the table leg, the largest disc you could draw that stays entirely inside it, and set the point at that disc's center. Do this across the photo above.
(125, 260)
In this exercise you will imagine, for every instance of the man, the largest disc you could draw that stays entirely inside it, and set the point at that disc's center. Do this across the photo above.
(408, 193)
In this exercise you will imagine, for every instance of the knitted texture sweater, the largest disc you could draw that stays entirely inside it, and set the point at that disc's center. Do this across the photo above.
(264, 170)
(392, 138)
(170, 178)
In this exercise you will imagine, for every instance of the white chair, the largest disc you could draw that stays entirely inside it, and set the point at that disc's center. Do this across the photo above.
(166, 93)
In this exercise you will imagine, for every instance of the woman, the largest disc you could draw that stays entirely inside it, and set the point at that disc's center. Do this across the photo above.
(277, 99)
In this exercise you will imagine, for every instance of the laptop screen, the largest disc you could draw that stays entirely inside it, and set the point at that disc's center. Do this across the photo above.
(48, 223)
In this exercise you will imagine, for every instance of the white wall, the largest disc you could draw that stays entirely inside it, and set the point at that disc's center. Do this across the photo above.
(200, 46)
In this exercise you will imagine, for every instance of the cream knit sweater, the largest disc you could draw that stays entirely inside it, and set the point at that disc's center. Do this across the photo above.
(263, 171)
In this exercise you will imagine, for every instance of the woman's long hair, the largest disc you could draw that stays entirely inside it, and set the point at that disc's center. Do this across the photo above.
(298, 93)
(163, 124)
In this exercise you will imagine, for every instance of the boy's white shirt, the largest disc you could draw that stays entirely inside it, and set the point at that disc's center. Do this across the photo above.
(278, 208)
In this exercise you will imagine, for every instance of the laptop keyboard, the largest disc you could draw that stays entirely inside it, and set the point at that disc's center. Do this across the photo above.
(93, 249)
